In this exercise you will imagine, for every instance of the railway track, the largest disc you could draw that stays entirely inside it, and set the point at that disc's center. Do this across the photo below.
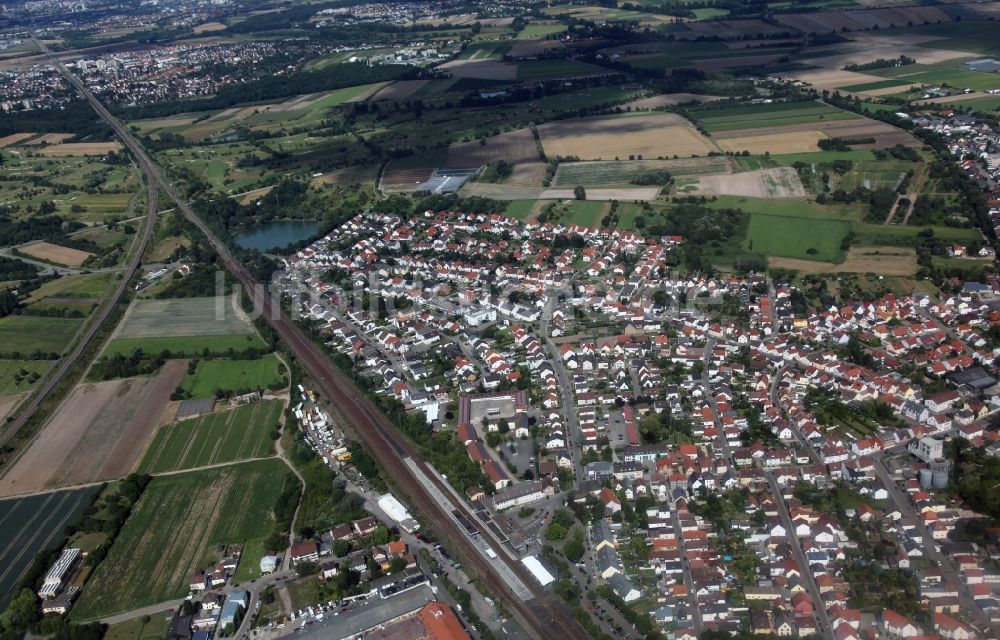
(542, 617)
(95, 325)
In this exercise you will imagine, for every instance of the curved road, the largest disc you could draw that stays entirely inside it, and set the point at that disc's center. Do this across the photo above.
(542, 616)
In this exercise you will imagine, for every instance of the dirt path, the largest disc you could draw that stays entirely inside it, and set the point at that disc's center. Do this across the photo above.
(916, 188)
(285, 562)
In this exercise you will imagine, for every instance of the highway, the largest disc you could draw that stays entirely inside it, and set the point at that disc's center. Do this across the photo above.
(543, 616)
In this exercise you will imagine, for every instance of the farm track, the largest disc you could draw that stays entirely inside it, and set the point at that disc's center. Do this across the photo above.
(543, 616)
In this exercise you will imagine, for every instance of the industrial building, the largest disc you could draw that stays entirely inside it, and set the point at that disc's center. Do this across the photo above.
(53, 582)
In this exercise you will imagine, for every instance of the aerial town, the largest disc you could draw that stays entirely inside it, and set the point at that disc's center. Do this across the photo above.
(451, 320)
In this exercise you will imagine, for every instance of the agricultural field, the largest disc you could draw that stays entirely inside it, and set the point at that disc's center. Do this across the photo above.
(884, 261)
(28, 334)
(70, 184)
(783, 236)
(621, 173)
(716, 120)
(32, 524)
(184, 326)
(174, 530)
(637, 135)
(226, 436)
(232, 376)
(181, 346)
(781, 182)
(9, 403)
(48, 252)
(97, 433)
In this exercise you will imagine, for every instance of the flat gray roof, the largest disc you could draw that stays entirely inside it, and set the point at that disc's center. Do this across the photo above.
(374, 613)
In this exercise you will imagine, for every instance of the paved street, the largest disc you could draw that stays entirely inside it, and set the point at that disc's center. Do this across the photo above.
(969, 607)
(822, 619)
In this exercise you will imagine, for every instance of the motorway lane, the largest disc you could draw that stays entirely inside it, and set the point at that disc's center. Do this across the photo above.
(543, 615)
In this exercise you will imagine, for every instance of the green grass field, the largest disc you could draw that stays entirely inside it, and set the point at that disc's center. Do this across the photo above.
(81, 286)
(136, 629)
(25, 334)
(622, 172)
(249, 566)
(974, 36)
(519, 208)
(232, 375)
(584, 212)
(557, 68)
(226, 436)
(880, 84)
(877, 234)
(17, 376)
(185, 345)
(789, 237)
(766, 115)
(340, 96)
(535, 30)
(174, 529)
(590, 97)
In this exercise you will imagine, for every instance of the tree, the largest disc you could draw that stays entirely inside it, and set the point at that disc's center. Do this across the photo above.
(574, 547)
(555, 531)
(381, 535)
(579, 193)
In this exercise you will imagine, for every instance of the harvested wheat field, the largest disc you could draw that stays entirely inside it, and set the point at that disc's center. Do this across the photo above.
(483, 69)
(795, 142)
(527, 174)
(962, 97)
(651, 136)
(832, 78)
(398, 179)
(528, 48)
(50, 138)
(79, 149)
(55, 253)
(735, 62)
(638, 193)
(780, 182)
(885, 135)
(13, 138)
(207, 27)
(8, 404)
(501, 191)
(669, 100)
(884, 261)
(97, 433)
(513, 146)
(727, 29)
(347, 175)
(399, 90)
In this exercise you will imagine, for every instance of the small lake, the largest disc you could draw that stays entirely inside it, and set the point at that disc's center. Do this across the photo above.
(276, 235)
